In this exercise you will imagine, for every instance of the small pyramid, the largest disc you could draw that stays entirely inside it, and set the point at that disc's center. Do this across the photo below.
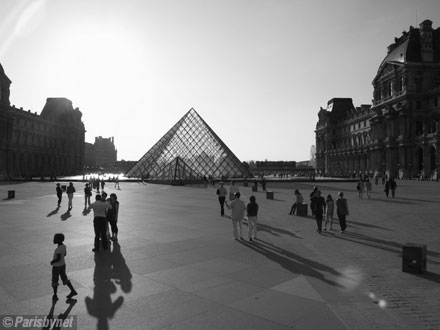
(192, 150)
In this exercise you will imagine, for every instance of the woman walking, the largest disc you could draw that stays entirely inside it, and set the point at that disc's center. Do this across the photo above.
(329, 211)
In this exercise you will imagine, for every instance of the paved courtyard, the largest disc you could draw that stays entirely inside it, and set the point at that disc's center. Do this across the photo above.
(177, 267)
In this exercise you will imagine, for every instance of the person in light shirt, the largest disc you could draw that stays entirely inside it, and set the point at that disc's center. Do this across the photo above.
(238, 208)
(100, 207)
(59, 267)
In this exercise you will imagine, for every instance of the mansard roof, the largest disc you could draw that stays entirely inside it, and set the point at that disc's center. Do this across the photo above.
(407, 47)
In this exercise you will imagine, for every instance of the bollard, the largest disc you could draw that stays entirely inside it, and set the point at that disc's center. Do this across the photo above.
(11, 194)
(414, 258)
(269, 194)
(301, 210)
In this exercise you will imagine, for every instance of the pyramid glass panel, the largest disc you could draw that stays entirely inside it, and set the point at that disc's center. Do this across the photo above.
(190, 149)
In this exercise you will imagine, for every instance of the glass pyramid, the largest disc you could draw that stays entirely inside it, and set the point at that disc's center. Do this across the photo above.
(190, 150)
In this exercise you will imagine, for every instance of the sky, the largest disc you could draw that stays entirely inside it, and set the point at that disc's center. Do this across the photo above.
(257, 71)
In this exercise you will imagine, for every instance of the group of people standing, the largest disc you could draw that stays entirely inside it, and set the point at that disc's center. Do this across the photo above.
(105, 212)
(324, 209)
(238, 210)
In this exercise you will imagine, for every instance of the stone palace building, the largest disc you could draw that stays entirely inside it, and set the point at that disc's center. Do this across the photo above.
(46, 145)
(399, 134)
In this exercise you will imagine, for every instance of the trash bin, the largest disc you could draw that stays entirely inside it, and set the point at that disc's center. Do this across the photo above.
(11, 194)
(269, 194)
(414, 258)
(254, 188)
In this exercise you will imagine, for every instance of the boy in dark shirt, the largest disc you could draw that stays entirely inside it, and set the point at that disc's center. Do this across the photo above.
(252, 212)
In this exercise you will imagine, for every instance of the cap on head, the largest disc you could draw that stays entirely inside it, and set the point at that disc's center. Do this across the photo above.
(341, 194)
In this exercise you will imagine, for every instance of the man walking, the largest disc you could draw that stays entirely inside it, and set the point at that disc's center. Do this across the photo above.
(222, 192)
(59, 194)
(238, 208)
(342, 211)
(319, 209)
(70, 191)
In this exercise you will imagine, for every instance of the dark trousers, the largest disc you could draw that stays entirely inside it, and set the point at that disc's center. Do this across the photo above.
(100, 226)
(318, 217)
(114, 226)
(293, 209)
(221, 200)
(57, 272)
(60, 196)
(342, 222)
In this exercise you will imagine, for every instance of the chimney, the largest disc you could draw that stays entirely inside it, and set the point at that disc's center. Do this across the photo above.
(426, 50)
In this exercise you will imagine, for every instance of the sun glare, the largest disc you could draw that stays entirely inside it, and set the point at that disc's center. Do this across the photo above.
(99, 57)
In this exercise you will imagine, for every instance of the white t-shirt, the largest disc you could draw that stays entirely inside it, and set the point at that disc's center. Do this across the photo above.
(61, 249)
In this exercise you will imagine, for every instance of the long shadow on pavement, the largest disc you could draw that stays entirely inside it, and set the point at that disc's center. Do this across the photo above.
(378, 243)
(108, 266)
(362, 224)
(56, 324)
(53, 212)
(292, 262)
(273, 230)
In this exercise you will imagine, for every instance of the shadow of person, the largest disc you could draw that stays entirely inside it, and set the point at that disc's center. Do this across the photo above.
(57, 324)
(293, 262)
(120, 271)
(101, 305)
(86, 210)
(65, 216)
(53, 212)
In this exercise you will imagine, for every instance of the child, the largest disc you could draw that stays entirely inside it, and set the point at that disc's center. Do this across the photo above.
(329, 211)
(252, 211)
(59, 267)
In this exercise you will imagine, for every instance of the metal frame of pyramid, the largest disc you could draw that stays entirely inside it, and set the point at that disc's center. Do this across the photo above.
(189, 151)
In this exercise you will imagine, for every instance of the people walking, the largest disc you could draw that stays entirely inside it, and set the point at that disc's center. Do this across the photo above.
(222, 192)
(252, 213)
(238, 208)
(360, 188)
(319, 210)
(342, 211)
(100, 207)
(87, 195)
(59, 267)
(70, 191)
(368, 187)
(299, 201)
(112, 216)
(387, 188)
(393, 187)
(59, 194)
(312, 199)
(329, 211)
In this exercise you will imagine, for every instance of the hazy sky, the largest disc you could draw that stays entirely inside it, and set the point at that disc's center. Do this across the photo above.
(257, 71)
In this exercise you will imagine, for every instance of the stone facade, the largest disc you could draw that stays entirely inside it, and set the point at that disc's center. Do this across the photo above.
(399, 134)
(46, 145)
(102, 155)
